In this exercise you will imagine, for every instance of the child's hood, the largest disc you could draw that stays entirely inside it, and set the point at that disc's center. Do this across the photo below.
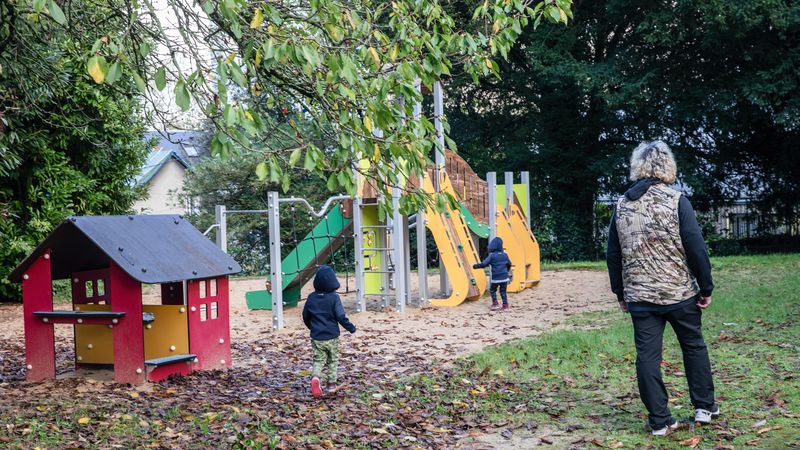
(325, 280)
(496, 245)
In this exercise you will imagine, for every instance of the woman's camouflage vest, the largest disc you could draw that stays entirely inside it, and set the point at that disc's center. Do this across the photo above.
(654, 267)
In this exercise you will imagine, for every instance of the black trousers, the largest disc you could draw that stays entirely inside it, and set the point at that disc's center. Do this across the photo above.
(503, 289)
(648, 333)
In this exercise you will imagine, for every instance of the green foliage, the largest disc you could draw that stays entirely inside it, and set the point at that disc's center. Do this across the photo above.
(717, 81)
(340, 67)
(69, 146)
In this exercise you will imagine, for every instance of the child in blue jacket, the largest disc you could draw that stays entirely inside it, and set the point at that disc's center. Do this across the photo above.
(500, 263)
(322, 314)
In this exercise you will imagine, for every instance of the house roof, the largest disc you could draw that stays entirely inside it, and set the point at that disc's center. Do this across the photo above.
(150, 248)
(192, 146)
(155, 161)
(185, 147)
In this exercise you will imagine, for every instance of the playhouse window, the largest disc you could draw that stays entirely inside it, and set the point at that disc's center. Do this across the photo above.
(203, 313)
(101, 288)
(89, 289)
(202, 289)
(213, 288)
(214, 310)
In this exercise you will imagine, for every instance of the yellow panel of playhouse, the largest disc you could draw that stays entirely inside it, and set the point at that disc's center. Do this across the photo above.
(514, 250)
(527, 240)
(94, 344)
(466, 245)
(459, 280)
(168, 334)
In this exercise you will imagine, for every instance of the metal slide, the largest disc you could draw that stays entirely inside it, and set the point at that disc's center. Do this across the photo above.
(299, 265)
(457, 250)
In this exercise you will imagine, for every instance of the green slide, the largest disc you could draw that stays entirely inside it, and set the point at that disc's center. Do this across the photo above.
(316, 248)
(480, 229)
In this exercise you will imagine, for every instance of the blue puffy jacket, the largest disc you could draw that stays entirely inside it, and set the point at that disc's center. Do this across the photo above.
(323, 311)
(498, 260)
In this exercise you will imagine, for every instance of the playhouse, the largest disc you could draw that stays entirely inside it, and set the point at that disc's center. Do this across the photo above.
(108, 259)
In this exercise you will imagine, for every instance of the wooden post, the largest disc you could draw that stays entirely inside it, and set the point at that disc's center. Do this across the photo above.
(37, 295)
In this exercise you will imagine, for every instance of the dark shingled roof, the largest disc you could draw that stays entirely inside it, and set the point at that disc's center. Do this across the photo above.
(150, 248)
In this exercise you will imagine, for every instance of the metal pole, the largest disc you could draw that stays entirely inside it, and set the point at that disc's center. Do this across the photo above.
(526, 180)
(438, 113)
(222, 232)
(422, 245)
(276, 278)
(399, 253)
(407, 257)
(358, 251)
(491, 180)
(509, 191)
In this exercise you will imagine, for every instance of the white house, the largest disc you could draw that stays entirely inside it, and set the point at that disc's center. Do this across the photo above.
(166, 168)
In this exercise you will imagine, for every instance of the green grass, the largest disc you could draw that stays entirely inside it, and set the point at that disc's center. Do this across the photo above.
(574, 265)
(586, 378)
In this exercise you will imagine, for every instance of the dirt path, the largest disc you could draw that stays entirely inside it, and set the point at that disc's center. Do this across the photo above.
(426, 333)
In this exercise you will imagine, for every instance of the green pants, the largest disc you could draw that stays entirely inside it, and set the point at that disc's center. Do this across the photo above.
(326, 352)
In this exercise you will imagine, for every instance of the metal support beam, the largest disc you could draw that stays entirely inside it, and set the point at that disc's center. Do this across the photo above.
(276, 278)
(422, 245)
(358, 250)
(439, 159)
(407, 257)
(398, 236)
(509, 191)
(491, 180)
(526, 180)
(222, 232)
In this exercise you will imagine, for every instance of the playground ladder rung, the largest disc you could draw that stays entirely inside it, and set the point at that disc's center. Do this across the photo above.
(376, 226)
(370, 249)
(379, 271)
(170, 360)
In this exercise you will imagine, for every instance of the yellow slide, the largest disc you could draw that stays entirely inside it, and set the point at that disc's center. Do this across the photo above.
(532, 272)
(456, 248)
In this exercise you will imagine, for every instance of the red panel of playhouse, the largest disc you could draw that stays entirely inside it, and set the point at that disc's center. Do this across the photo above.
(37, 295)
(90, 286)
(129, 332)
(209, 322)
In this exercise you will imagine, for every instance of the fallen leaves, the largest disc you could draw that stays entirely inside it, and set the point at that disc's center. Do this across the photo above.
(691, 442)
(84, 420)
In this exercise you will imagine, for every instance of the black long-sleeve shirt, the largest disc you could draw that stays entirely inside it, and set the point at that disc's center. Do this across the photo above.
(693, 244)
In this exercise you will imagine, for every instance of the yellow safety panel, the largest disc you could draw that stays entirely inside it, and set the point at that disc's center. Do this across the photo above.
(169, 329)
(514, 249)
(94, 344)
(445, 229)
(527, 240)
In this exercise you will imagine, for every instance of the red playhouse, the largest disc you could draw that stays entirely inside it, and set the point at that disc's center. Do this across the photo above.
(107, 259)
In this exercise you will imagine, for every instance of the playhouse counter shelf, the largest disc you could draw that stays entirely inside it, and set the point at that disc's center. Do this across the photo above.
(107, 259)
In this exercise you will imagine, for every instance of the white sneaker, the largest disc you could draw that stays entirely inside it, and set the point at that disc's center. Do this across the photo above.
(666, 430)
(704, 415)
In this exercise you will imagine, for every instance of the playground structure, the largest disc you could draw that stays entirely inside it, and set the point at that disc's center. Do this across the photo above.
(381, 247)
(108, 259)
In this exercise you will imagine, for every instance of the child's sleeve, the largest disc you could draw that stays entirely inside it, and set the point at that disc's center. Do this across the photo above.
(508, 263)
(483, 263)
(341, 317)
(306, 316)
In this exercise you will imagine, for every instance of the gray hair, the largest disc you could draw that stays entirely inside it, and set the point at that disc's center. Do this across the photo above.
(653, 160)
